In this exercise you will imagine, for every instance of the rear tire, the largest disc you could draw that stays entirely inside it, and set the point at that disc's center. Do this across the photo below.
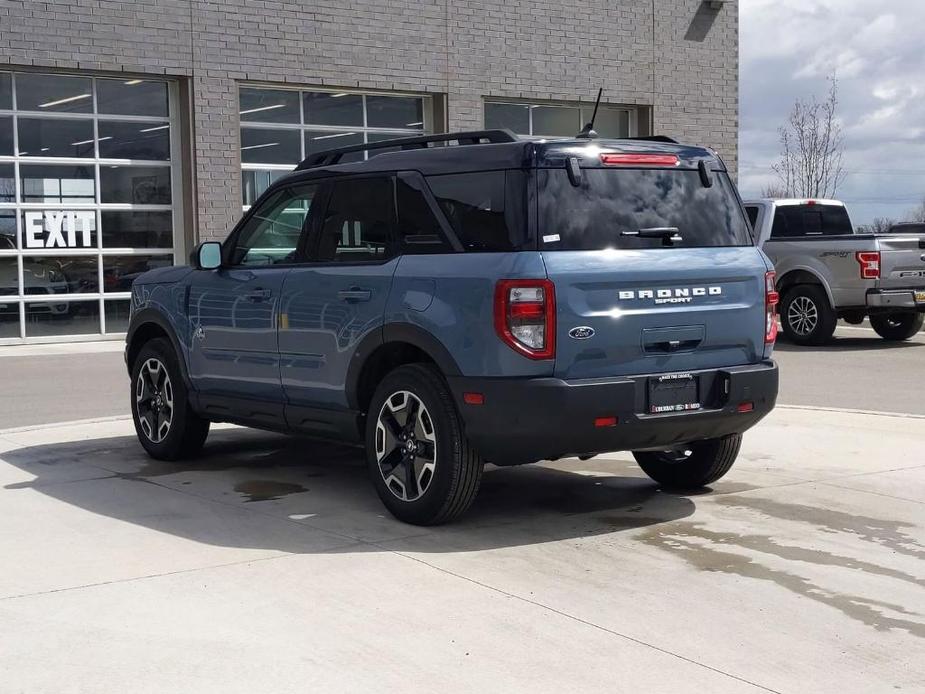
(896, 327)
(420, 462)
(693, 465)
(166, 425)
(806, 316)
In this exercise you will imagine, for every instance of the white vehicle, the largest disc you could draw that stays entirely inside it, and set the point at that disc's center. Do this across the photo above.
(39, 279)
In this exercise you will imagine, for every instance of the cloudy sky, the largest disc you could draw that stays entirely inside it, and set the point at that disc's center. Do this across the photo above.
(877, 50)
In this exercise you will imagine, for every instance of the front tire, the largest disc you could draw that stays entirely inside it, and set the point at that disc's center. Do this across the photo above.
(419, 459)
(896, 327)
(165, 424)
(692, 465)
(806, 316)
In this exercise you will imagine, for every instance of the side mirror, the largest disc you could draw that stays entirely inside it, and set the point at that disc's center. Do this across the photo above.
(207, 256)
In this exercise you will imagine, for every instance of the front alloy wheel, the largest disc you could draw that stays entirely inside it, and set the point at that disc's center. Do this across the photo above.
(406, 446)
(154, 400)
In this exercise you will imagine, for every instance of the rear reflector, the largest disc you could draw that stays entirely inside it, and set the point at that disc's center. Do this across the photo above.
(473, 398)
(745, 407)
(615, 159)
(601, 422)
(870, 264)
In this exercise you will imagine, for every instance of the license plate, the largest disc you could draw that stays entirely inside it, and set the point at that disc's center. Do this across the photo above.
(920, 297)
(673, 393)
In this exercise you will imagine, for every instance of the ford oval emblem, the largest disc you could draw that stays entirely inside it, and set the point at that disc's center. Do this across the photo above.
(582, 332)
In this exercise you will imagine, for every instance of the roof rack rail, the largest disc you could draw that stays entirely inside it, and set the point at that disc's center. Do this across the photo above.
(329, 157)
(655, 138)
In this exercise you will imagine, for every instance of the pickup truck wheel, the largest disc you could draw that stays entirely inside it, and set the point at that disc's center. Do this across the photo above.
(806, 317)
(897, 326)
(166, 425)
(419, 459)
(692, 465)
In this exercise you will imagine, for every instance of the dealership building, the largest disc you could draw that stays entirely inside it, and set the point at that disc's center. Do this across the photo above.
(129, 131)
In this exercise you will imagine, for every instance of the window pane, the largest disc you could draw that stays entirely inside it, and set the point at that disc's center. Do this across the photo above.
(117, 311)
(139, 185)
(6, 135)
(119, 271)
(269, 105)
(136, 229)
(417, 230)
(62, 183)
(515, 117)
(121, 140)
(65, 318)
(271, 234)
(254, 183)
(322, 108)
(9, 319)
(9, 276)
(394, 112)
(53, 93)
(610, 122)
(6, 91)
(556, 120)
(7, 184)
(7, 230)
(814, 220)
(318, 140)
(58, 229)
(261, 146)
(62, 275)
(357, 221)
(474, 204)
(51, 137)
(131, 97)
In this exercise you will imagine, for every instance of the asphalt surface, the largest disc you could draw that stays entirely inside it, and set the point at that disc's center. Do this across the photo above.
(857, 371)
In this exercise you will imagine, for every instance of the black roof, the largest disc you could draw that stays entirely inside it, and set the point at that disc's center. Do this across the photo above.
(488, 151)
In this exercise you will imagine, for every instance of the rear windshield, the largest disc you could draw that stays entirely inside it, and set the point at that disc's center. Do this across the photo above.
(810, 220)
(610, 206)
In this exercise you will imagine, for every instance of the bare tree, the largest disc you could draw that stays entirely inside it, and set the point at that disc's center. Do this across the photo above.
(773, 190)
(812, 146)
(916, 214)
(880, 225)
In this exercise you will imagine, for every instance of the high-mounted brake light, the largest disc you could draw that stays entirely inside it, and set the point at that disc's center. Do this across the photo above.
(616, 159)
(525, 316)
(771, 299)
(870, 264)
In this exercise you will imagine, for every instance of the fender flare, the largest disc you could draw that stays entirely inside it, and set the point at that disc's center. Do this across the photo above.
(149, 316)
(819, 279)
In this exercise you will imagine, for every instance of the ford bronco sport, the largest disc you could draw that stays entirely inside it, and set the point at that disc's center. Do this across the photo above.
(451, 300)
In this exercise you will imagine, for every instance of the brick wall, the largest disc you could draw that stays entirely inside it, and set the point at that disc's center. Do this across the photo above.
(467, 49)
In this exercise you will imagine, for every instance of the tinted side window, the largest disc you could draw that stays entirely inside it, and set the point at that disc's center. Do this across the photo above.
(483, 208)
(752, 213)
(271, 235)
(810, 220)
(418, 230)
(357, 225)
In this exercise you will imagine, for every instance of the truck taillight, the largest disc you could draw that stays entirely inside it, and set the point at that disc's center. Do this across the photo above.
(525, 316)
(771, 299)
(870, 264)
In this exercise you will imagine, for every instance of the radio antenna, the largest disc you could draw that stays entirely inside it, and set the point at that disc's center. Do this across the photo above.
(587, 132)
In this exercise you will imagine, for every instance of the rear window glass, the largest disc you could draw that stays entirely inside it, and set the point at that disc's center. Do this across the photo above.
(485, 209)
(610, 207)
(810, 220)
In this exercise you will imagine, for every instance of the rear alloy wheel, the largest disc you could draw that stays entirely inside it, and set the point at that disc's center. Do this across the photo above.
(897, 326)
(806, 317)
(419, 459)
(691, 465)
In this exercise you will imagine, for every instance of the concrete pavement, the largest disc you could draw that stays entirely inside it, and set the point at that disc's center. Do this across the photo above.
(269, 565)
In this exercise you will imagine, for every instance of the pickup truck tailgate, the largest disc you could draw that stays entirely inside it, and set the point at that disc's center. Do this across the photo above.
(902, 261)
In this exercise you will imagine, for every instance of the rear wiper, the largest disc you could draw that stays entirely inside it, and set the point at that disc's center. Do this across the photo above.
(668, 235)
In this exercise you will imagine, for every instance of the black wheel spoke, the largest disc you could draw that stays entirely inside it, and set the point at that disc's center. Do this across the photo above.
(407, 462)
(413, 408)
(411, 481)
(391, 423)
(427, 450)
(391, 461)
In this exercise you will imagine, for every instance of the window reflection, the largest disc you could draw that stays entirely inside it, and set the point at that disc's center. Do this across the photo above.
(57, 183)
(44, 275)
(122, 140)
(7, 183)
(6, 135)
(339, 108)
(6, 91)
(9, 276)
(259, 145)
(53, 137)
(139, 185)
(136, 229)
(62, 318)
(51, 93)
(117, 312)
(131, 97)
(269, 105)
(119, 271)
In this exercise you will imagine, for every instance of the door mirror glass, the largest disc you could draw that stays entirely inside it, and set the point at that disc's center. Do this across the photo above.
(208, 255)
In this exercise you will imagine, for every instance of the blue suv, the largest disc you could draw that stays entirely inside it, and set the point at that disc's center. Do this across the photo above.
(450, 300)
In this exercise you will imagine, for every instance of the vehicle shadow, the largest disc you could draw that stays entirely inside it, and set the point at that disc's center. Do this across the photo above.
(275, 492)
(849, 344)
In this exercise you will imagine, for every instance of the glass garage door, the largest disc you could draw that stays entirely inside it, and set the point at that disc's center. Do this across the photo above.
(87, 200)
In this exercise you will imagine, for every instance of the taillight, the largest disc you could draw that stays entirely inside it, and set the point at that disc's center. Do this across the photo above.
(771, 299)
(525, 316)
(617, 159)
(870, 264)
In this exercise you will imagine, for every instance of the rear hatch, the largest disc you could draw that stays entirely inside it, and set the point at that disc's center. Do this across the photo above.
(634, 296)
(902, 260)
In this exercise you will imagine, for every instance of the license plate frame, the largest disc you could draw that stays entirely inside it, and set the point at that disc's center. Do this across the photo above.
(673, 393)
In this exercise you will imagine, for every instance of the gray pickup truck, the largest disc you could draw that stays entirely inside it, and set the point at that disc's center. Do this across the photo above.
(825, 271)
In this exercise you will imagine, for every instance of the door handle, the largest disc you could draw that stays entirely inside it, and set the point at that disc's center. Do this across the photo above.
(258, 295)
(354, 295)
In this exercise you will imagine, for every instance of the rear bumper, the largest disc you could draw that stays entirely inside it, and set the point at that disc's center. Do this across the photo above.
(894, 300)
(525, 420)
